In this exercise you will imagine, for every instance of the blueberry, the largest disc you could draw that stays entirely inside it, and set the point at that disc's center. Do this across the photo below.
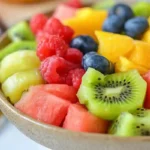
(122, 10)
(97, 62)
(113, 24)
(84, 43)
(136, 26)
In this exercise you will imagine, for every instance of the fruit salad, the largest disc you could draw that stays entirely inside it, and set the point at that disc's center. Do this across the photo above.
(84, 69)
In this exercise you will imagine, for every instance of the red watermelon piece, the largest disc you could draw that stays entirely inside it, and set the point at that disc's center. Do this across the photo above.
(43, 106)
(146, 77)
(64, 11)
(79, 119)
(60, 90)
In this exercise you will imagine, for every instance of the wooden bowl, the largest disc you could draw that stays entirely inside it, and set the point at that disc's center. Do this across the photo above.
(60, 139)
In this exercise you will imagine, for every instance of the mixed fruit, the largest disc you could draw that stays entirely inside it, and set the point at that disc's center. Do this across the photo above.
(83, 69)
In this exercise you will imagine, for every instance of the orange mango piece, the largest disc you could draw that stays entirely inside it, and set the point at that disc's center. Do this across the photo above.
(86, 21)
(146, 36)
(112, 46)
(141, 54)
(123, 65)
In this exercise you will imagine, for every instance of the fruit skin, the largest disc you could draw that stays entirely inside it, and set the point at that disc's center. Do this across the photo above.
(51, 45)
(146, 36)
(141, 9)
(74, 77)
(16, 84)
(16, 46)
(82, 24)
(55, 27)
(105, 109)
(146, 77)
(113, 24)
(79, 119)
(21, 31)
(124, 64)
(63, 91)
(122, 10)
(43, 106)
(16, 62)
(108, 47)
(74, 55)
(38, 22)
(140, 55)
(97, 62)
(84, 43)
(74, 3)
(135, 27)
(64, 12)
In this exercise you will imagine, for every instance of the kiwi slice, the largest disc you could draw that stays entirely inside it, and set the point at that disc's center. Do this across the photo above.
(108, 96)
(16, 46)
(21, 31)
(132, 125)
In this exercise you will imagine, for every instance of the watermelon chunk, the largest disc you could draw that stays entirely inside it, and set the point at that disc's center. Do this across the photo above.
(43, 106)
(63, 12)
(79, 119)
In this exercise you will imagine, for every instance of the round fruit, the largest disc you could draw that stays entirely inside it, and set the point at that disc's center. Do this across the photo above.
(135, 27)
(84, 43)
(122, 10)
(113, 24)
(98, 62)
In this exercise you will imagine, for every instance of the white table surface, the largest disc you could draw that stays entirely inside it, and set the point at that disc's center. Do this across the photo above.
(12, 139)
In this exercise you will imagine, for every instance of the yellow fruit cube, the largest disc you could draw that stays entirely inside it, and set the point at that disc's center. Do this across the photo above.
(86, 21)
(112, 46)
(141, 54)
(123, 64)
(146, 36)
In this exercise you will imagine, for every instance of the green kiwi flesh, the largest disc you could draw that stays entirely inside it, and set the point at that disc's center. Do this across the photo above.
(16, 46)
(108, 96)
(20, 32)
(137, 124)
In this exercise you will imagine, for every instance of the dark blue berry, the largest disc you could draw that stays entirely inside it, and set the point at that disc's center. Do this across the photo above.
(97, 62)
(122, 10)
(84, 43)
(135, 27)
(113, 24)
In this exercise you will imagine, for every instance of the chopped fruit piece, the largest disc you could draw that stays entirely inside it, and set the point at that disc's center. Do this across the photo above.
(100, 63)
(74, 77)
(55, 27)
(18, 83)
(87, 21)
(146, 36)
(51, 45)
(124, 64)
(132, 125)
(54, 69)
(64, 12)
(108, 96)
(73, 55)
(140, 55)
(21, 31)
(60, 90)
(122, 10)
(108, 47)
(16, 46)
(147, 98)
(74, 3)
(43, 106)
(16, 62)
(38, 22)
(135, 27)
(84, 43)
(79, 119)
